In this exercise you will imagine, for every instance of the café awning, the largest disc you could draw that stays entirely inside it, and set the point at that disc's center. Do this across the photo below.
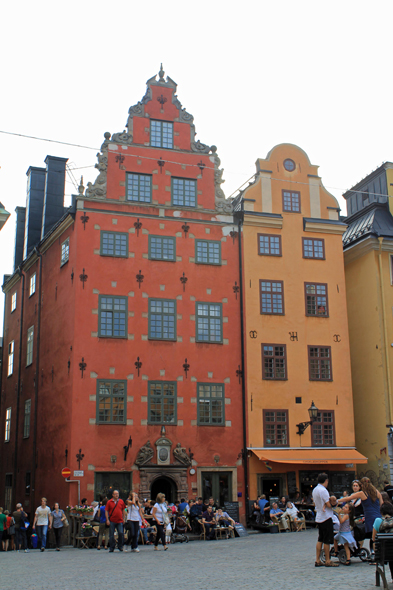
(311, 456)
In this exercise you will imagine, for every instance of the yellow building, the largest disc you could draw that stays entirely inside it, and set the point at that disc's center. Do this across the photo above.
(296, 329)
(368, 252)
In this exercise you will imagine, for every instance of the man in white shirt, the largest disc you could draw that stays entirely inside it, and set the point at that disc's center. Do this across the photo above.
(324, 520)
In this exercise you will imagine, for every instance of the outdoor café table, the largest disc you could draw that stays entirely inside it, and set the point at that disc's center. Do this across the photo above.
(220, 530)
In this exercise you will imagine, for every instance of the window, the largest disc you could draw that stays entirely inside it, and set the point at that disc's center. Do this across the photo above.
(289, 165)
(208, 322)
(11, 347)
(207, 252)
(184, 192)
(291, 201)
(272, 297)
(313, 248)
(32, 284)
(316, 299)
(65, 252)
(211, 404)
(162, 319)
(26, 422)
(111, 402)
(269, 245)
(162, 248)
(114, 244)
(13, 302)
(161, 134)
(162, 402)
(112, 320)
(320, 363)
(7, 425)
(30, 344)
(274, 361)
(323, 429)
(139, 188)
(275, 428)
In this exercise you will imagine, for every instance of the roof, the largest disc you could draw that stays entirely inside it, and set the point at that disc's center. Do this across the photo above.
(359, 185)
(374, 220)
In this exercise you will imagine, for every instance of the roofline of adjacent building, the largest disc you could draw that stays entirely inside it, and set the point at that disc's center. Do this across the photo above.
(356, 187)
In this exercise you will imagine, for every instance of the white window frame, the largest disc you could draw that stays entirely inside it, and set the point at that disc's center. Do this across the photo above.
(26, 420)
(11, 348)
(65, 252)
(33, 279)
(7, 433)
(13, 302)
(30, 346)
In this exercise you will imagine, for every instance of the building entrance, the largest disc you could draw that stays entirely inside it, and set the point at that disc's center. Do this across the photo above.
(271, 487)
(164, 485)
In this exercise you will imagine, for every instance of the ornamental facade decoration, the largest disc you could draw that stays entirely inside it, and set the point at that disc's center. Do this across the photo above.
(99, 187)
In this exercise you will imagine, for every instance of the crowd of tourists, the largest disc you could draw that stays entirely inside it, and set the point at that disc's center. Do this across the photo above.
(118, 523)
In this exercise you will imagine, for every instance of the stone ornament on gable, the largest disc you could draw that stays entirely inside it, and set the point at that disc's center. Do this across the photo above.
(98, 189)
(145, 454)
(222, 204)
(180, 455)
(197, 146)
(122, 138)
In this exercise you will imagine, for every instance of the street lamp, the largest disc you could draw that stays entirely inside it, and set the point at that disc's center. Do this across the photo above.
(312, 412)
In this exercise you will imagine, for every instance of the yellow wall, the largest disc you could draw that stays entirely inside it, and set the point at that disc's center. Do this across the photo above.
(294, 270)
(370, 368)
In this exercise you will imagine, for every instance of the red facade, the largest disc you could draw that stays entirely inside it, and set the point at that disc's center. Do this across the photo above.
(145, 305)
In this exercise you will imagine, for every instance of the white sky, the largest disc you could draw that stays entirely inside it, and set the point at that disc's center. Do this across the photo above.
(253, 74)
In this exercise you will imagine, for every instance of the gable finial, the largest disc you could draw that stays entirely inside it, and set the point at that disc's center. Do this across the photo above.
(161, 74)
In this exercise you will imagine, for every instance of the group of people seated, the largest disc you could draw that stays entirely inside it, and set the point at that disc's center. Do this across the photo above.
(204, 515)
(283, 512)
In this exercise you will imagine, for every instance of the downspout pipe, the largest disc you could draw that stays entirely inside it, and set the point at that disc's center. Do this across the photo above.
(244, 405)
(385, 333)
(19, 385)
(37, 380)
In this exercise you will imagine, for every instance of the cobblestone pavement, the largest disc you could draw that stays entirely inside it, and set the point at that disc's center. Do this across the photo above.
(281, 561)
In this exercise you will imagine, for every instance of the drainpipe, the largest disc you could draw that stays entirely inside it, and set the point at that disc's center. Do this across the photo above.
(385, 332)
(37, 379)
(244, 406)
(20, 272)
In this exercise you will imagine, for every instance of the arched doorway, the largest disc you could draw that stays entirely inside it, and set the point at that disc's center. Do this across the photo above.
(164, 485)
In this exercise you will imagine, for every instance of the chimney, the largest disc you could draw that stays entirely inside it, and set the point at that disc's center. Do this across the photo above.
(34, 201)
(19, 235)
(53, 208)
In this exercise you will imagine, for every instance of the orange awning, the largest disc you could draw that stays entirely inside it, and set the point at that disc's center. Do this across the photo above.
(311, 456)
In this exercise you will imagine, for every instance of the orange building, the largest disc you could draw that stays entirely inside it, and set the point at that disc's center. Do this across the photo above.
(296, 329)
(124, 357)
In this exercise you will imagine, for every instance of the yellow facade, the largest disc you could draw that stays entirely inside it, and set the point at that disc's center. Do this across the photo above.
(280, 468)
(368, 273)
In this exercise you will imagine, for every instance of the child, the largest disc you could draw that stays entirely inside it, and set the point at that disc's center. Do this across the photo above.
(344, 535)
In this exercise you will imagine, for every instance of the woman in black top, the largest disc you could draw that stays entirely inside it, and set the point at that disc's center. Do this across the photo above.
(357, 487)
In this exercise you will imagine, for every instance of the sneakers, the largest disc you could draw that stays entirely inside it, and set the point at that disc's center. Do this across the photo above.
(27, 550)
(42, 549)
(135, 550)
(125, 550)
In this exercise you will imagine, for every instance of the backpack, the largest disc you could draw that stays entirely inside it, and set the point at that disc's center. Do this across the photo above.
(386, 525)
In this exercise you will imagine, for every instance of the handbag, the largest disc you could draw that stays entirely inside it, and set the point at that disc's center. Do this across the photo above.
(11, 530)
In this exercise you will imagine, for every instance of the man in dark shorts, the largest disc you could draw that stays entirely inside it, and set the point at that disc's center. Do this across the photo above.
(324, 514)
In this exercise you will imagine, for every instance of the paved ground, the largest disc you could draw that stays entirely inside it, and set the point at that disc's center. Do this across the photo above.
(281, 561)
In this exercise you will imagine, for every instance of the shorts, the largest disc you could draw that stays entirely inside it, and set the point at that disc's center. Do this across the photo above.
(325, 532)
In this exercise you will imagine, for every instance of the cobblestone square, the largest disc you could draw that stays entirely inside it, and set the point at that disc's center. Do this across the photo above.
(281, 561)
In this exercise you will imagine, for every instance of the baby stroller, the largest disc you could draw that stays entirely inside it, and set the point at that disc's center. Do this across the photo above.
(180, 530)
(361, 552)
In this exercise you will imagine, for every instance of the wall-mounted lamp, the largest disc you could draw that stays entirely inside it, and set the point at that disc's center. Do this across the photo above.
(312, 412)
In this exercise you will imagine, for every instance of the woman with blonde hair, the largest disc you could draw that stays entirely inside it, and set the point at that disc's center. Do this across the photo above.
(160, 515)
(371, 501)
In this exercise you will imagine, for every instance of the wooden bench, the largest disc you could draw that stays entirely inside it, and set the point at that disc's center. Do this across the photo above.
(383, 548)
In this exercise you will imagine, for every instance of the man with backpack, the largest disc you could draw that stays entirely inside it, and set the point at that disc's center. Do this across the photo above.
(115, 511)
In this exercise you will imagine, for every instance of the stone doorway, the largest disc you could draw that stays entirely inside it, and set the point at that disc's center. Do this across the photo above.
(164, 485)
(173, 478)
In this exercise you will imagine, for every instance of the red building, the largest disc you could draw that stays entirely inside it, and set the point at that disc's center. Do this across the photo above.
(122, 343)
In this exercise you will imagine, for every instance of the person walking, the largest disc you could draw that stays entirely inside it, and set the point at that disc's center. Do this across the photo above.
(3, 522)
(103, 529)
(20, 529)
(6, 533)
(42, 522)
(160, 515)
(134, 517)
(371, 501)
(58, 518)
(115, 512)
(324, 521)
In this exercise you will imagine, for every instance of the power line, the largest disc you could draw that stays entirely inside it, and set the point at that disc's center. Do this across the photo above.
(86, 147)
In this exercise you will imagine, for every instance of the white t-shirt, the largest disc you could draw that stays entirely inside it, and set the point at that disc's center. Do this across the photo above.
(160, 511)
(42, 515)
(133, 513)
(320, 496)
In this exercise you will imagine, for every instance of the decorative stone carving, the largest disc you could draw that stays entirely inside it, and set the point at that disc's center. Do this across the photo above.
(184, 116)
(180, 455)
(223, 205)
(122, 138)
(98, 189)
(145, 454)
(163, 451)
(177, 474)
(197, 146)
